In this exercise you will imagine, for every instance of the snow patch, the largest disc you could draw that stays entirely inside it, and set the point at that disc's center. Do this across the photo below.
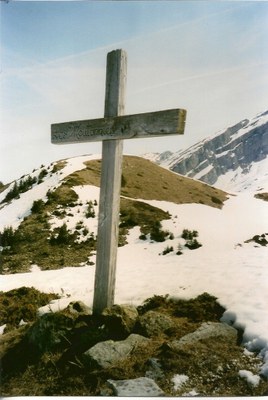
(179, 380)
(252, 379)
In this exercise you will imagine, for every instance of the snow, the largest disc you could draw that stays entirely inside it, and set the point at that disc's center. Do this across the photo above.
(203, 172)
(226, 267)
(2, 328)
(179, 381)
(259, 120)
(20, 208)
(239, 180)
(252, 379)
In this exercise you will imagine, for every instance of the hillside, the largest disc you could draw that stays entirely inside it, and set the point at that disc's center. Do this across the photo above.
(203, 241)
(231, 159)
(53, 205)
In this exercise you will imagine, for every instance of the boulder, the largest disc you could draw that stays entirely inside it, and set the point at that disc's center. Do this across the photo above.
(79, 308)
(139, 387)
(207, 330)
(106, 354)
(154, 323)
(120, 319)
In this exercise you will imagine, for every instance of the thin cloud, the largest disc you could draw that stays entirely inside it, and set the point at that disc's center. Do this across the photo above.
(200, 76)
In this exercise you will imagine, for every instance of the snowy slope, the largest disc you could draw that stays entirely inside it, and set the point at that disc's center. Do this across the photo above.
(255, 179)
(230, 159)
(20, 208)
(226, 267)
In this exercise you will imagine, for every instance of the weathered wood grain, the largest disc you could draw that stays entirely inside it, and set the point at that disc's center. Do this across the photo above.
(153, 124)
(109, 203)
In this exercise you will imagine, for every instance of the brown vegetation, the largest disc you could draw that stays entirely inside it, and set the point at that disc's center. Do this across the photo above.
(54, 363)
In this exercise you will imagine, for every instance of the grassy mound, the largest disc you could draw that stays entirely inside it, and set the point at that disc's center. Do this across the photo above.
(142, 179)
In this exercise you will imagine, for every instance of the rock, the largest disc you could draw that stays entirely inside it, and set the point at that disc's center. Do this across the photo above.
(120, 319)
(154, 323)
(79, 308)
(154, 371)
(207, 330)
(141, 387)
(106, 354)
(238, 146)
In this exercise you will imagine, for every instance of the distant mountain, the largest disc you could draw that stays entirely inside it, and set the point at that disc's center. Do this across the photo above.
(233, 159)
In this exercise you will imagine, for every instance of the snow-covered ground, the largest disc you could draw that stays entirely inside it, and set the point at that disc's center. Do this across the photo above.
(238, 181)
(226, 267)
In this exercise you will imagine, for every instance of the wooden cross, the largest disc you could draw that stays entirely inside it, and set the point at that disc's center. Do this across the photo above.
(111, 130)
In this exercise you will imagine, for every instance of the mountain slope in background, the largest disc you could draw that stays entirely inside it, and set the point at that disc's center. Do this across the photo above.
(232, 159)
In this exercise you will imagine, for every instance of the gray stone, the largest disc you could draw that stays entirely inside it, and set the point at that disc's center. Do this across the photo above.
(207, 330)
(121, 319)
(105, 354)
(79, 308)
(154, 323)
(141, 387)
(154, 371)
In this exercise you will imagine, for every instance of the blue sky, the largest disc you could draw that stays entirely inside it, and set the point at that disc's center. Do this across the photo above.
(209, 57)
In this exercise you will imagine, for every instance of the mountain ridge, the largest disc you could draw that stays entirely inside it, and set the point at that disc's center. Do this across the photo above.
(236, 149)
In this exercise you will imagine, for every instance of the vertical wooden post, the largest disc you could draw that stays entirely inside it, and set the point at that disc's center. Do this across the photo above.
(109, 203)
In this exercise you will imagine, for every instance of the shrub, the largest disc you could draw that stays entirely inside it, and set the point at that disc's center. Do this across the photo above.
(90, 213)
(41, 175)
(12, 194)
(193, 244)
(157, 234)
(167, 250)
(189, 235)
(38, 206)
(85, 231)
(142, 237)
(6, 237)
(190, 238)
(129, 219)
(61, 236)
(79, 225)
(9, 237)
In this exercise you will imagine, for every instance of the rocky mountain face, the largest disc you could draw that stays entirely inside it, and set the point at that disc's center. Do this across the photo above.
(237, 147)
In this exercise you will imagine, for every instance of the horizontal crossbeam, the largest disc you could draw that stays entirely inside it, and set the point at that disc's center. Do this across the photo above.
(160, 123)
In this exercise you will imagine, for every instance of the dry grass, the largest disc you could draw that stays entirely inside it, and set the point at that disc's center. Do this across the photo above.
(142, 179)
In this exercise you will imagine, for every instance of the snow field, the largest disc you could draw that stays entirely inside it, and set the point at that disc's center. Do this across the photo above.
(226, 267)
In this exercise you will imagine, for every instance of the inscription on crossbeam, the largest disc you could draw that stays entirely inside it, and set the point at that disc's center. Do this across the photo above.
(160, 123)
